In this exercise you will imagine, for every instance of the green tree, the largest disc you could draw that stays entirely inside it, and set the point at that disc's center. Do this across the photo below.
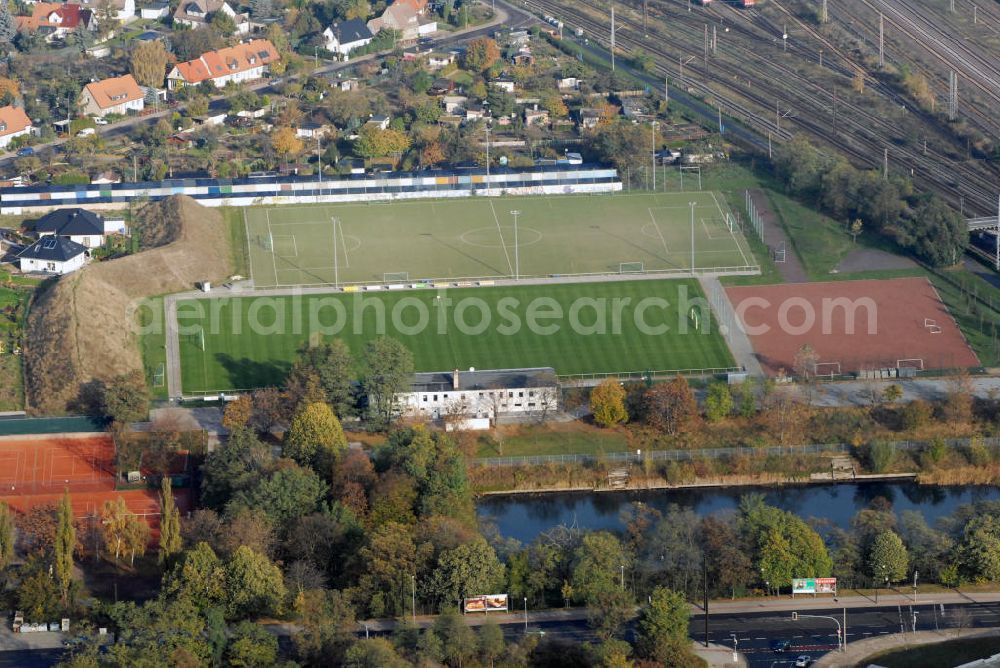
(887, 557)
(598, 563)
(314, 429)
(126, 397)
(373, 142)
(65, 543)
(222, 23)
(936, 233)
(231, 469)
(198, 577)
(170, 523)
(254, 585)
(608, 610)
(37, 593)
(334, 368)
(148, 63)
(662, 630)
(979, 549)
(458, 642)
(480, 54)
(607, 403)
(286, 494)
(388, 370)
(251, 646)
(491, 642)
(6, 536)
(718, 402)
(373, 653)
(470, 569)
(390, 558)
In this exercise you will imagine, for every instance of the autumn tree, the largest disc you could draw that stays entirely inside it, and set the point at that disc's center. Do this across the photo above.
(9, 89)
(285, 142)
(374, 142)
(671, 407)
(333, 367)
(237, 413)
(480, 54)
(148, 63)
(116, 526)
(468, 570)
(553, 103)
(254, 585)
(607, 403)
(64, 546)
(170, 523)
(314, 429)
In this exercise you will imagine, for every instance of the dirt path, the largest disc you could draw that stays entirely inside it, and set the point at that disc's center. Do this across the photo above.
(868, 259)
(791, 269)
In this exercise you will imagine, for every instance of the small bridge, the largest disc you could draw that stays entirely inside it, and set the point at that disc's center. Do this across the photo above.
(988, 223)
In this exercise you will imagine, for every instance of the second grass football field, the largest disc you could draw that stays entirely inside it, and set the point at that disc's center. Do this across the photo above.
(487, 238)
(581, 328)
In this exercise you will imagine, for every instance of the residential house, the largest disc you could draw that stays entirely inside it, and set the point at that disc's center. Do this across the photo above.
(13, 123)
(441, 86)
(195, 13)
(120, 10)
(345, 36)
(536, 116)
(519, 38)
(52, 255)
(474, 112)
(380, 121)
(352, 165)
(348, 84)
(210, 120)
(118, 95)
(53, 21)
(403, 18)
(634, 108)
(78, 225)
(523, 57)
(243, 62)
(155, 10)
(312, 130)
(453, 102)
(590, 118)
(418, 6)
(489, 394)
(504, 84)
(437, 60)
(568, 84)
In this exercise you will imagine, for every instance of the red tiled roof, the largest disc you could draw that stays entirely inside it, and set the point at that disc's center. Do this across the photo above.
(112, 92)
(13, 119)
(230, 60)
(52, 14)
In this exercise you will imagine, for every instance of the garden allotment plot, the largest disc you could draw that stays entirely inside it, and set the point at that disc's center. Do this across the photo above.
(474, 238)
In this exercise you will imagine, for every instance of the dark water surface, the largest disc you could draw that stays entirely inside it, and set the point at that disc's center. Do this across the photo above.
(523, 516)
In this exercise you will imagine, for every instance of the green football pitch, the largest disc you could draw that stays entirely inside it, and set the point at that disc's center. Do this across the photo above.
(476, 238)
(634, 326)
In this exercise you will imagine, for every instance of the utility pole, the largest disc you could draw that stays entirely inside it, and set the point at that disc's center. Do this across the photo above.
(784, 38)
(824, 14)
(715, 41)
(336, 268)
(821, 57)
(885, 164)
(704, 557)
(666, 91)
(645, 31)
(834, 110)
(612, 37)
(952, 95)
(720, 119)
(652, 133)
(693, 205)
(413, 597)
(881, 42)
(705, 45)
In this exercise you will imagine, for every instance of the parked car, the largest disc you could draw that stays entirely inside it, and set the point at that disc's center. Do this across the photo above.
(101, 121)
(25, 152)
(86, 132)
(803, 661)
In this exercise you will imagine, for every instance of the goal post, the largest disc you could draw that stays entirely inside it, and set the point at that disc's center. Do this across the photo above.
(910, 363)
(631, 267)
(829, 369)
(694, 315)
(396, 277)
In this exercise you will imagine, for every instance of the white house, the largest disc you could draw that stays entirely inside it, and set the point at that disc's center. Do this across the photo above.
(80, 226)
(53, 255)
(118, 95)
(123, 10)
(13, 123)
(155, 10)
(243, 62)
(380, 121)
(403, 18)
(488, 394)
(345, 36)
(195, 13)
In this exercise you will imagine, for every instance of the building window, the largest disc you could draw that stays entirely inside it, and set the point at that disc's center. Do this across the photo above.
(425, 397)
(520, 394)
(531, 393)
(435, 397)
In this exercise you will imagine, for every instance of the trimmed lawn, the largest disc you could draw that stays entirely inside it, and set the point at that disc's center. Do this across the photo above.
(153, 343)
(557, 439)
(820, 242)
(620, 327)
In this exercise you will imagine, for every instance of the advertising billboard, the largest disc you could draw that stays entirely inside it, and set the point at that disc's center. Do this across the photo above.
(814, 585)
(487, 603)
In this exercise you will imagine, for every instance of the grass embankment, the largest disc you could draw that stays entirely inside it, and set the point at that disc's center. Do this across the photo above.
(236, 225)
(948, 653)
(251, 342)
(552, 439)
(15, 294)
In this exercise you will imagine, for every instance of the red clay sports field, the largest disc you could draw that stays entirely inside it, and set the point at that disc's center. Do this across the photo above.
(35, 470)
(852, 325)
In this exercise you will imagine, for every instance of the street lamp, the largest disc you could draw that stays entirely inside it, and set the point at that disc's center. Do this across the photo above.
(652, 135)
(693, 205)
(413, 597)
(840, 639)
(525, 614)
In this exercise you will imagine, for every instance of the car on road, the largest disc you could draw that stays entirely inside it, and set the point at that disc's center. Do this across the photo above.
(803, 661)
(780, 645)
(101, 121)
(25, 152)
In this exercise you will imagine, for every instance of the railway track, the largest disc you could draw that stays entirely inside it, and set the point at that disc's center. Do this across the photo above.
(857, 130)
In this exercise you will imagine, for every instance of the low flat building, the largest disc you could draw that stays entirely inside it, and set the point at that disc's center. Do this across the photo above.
(490, 394)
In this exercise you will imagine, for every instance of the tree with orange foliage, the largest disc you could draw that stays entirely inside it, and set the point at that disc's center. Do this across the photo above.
(671, 407)
(481, 54)
(286, 142)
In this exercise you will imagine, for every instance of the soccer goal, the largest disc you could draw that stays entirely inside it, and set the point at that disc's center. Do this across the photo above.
(930, 324)
(828, 369)
(911, 363)
(396, 277)
(631, 268)
(159, 375)
(779, 253)
(694, 315)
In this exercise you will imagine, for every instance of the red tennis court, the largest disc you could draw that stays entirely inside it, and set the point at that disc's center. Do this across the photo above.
(50, 463)
(852, 325)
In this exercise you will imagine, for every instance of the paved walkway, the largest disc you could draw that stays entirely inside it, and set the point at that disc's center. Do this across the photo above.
(858, 651)
(736, 337)
(791, 269)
